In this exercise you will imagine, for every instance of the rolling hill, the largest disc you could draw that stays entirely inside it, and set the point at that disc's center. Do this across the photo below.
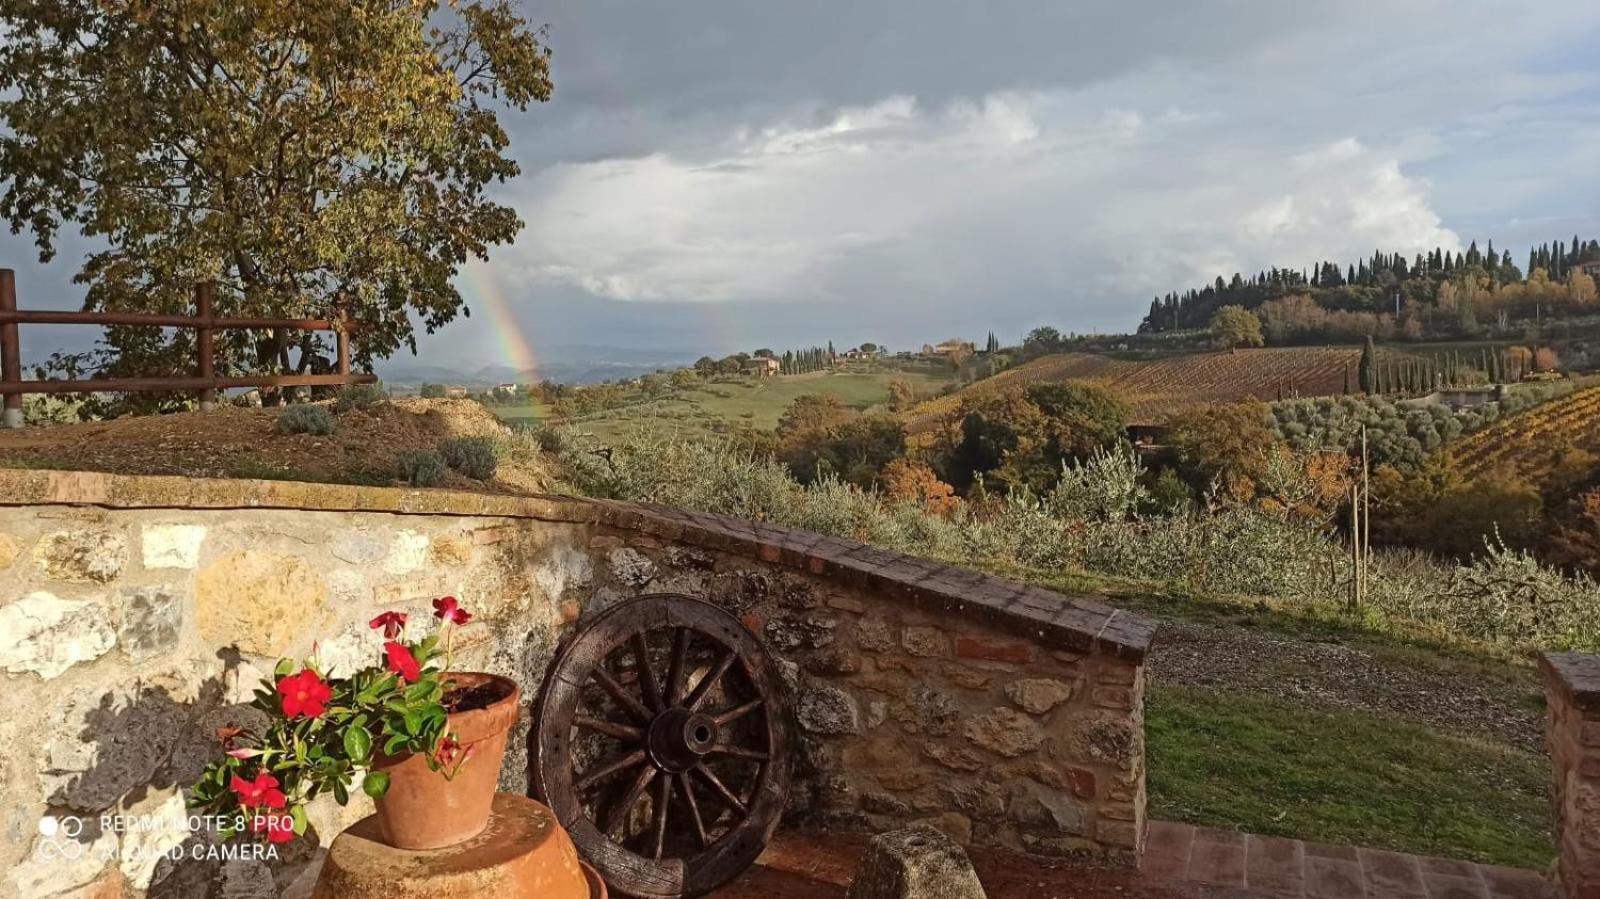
(1156, 389)
(1530, 445)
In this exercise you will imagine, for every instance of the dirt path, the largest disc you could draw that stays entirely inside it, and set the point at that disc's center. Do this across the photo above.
(1449, 696)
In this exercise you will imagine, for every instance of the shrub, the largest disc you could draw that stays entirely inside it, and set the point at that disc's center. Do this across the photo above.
(420, 468)
(359, 396)
(1095, 521)
(472, 456)
(304, 420)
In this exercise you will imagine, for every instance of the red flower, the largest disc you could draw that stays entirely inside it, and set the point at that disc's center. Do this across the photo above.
(391, 622)
(263, 792)
(303, 694)
(402, 662)
(446, 608)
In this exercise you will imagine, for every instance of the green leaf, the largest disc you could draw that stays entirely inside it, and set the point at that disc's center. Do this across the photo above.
(357, 744)
(394, 743)
(414, 721)
(284, 669)
(298, 813)
(376, 784)
(341, 793)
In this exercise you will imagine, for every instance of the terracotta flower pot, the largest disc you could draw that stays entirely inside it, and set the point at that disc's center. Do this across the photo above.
(423, 809)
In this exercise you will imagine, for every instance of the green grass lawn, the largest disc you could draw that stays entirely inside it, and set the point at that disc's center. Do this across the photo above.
(1232, 761)
(745, 402)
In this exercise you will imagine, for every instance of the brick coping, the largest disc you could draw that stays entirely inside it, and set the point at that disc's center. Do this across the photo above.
(1073, 623)
(1576, 675)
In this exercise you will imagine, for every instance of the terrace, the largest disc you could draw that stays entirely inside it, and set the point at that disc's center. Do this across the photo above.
(144, 608)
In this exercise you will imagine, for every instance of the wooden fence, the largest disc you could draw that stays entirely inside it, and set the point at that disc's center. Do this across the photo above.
(205, 380)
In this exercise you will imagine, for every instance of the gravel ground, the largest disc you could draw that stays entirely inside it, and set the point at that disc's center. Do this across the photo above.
(1449, 698)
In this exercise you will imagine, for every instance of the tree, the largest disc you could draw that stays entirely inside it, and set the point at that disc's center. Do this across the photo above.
(1041, 341)
(813, 412)
(1228, 444)
(1369, 367)
(763, 353)
(869, 348)
(706, 366)
(902, 395)
(914, 482)
(1235, 326)
(303, 156)
(432, 391)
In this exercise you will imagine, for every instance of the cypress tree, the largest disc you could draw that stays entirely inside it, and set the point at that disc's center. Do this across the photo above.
(1369, 367)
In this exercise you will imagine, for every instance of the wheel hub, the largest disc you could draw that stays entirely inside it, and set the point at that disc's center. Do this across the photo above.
(679, 739)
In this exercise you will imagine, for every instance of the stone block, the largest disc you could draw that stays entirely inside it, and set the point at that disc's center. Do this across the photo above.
(916, 863)
(1042, 809)
(451, 549)
(152, 619)
(46, 635)
(82, 556)
(171, 545)
(1005, 732)
(1038, 695)
(923, 641)
(260, 602)
(408, 552)
(826, 709)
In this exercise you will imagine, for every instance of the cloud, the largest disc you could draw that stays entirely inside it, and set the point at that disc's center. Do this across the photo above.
(1023, 198)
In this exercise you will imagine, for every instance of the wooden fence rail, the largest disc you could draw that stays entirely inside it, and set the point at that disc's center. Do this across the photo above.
(205, 380)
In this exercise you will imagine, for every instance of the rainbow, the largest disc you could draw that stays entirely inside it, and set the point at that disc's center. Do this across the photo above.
(514, 347)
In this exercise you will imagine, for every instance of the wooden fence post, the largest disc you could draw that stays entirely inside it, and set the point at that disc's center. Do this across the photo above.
(10, 350)
(342, 335)
(204, 300)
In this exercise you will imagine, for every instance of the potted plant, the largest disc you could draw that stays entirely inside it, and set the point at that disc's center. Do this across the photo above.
(429, 742)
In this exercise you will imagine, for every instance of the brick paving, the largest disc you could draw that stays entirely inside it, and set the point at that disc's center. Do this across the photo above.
(1294, 869)
(1180, 862)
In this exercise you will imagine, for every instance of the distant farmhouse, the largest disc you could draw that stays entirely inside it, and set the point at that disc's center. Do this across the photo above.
(1592, 269)
(505, 391)
(762, 367)
(950, 347)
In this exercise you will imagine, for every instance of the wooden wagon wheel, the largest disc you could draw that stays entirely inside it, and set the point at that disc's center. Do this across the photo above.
(663, 744)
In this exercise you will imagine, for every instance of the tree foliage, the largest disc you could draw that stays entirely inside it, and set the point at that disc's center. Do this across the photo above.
(1234, 326)
(301, 155)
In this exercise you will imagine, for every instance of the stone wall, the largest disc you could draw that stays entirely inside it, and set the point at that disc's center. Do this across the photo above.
(1572, 692)
(136, 614)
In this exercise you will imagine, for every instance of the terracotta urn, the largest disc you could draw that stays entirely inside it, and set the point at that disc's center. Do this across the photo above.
(523, 852)
(423, 808)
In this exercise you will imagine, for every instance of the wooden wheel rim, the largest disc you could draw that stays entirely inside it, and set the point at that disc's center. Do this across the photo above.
(556, 781)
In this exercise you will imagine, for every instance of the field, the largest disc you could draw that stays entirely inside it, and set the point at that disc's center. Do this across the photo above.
(757, 403)
(1158, 388)
(1528, 446)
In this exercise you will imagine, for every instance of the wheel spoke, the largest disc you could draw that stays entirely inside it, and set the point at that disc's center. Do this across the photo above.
(680, 657)
(703, 689)
(694, 808)
(734, 714)
(622, 764)
(619, 815)
(610, 728)
(663, 796)
(721, 789)
(625, 699)
(739, 752)
(647, 675)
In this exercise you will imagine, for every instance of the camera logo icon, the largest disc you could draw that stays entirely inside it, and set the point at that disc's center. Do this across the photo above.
(60, 835)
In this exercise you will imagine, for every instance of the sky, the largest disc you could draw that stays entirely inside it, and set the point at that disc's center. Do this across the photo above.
(714, 175)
